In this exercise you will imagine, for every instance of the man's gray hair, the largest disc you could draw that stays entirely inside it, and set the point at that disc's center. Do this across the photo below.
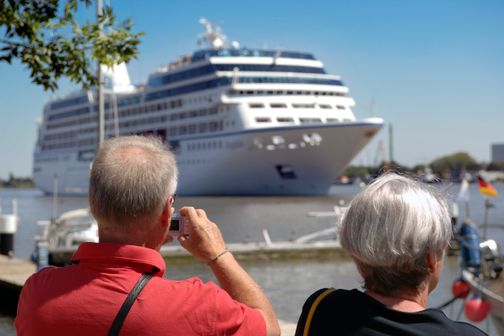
(131, 179)
(389, 228)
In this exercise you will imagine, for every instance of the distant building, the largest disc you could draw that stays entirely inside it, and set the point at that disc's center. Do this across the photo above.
(498, 152)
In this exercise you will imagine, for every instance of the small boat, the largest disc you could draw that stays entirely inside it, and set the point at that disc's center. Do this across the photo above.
(62, 236)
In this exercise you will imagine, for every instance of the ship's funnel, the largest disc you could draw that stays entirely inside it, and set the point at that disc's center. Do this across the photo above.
(117, 79)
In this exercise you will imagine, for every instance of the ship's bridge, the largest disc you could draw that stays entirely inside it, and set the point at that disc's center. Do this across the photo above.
(245, 52)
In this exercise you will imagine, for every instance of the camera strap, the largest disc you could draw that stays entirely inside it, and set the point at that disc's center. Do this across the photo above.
(126, 306)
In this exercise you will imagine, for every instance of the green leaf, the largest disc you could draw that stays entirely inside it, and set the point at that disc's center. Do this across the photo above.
(51, 43)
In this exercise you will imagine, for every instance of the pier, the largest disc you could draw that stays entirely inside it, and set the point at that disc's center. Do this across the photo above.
(13, 274)
(266, 251)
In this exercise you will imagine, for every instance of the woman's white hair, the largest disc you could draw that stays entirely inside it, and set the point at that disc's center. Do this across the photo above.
(389, 228)
(131, 180)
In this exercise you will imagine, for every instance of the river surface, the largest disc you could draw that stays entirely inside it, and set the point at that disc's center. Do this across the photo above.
(241, 219)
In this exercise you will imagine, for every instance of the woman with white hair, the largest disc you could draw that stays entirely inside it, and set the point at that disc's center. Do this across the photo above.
(396, 231)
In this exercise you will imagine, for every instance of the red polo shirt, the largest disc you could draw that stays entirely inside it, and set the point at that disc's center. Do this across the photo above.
(84, 298)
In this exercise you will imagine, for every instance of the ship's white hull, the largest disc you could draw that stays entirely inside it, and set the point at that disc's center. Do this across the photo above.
(295, 160)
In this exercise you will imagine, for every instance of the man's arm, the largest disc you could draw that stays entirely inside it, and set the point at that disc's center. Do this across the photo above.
(205, 242)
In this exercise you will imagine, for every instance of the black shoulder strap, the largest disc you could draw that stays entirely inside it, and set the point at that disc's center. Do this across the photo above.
(126, 306)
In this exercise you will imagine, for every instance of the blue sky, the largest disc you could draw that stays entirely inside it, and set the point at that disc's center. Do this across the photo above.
(434, 69)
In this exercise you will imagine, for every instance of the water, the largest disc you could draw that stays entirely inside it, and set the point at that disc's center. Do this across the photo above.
(241, 219)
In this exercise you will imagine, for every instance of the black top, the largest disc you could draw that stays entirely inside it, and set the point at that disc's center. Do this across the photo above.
(351, 312)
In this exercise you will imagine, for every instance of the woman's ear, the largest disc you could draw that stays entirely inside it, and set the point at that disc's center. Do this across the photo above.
(432, 261)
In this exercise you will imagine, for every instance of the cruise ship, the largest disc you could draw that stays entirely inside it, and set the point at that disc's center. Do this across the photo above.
(240, 121)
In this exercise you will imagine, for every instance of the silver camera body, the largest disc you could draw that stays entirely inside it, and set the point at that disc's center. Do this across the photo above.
(178, 225)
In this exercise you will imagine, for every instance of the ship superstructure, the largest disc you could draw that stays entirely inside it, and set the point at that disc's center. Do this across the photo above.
(240, 121)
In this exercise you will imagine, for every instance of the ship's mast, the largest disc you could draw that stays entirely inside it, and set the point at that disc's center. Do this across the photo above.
(101, 100)
(213, 36)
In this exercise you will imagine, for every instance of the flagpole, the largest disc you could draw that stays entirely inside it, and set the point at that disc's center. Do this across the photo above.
(485, 218)
(100, 95)
(463, 196)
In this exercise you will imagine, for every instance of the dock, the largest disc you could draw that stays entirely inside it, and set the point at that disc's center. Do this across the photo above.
(242, 251)
(266, 251)
(13, 274)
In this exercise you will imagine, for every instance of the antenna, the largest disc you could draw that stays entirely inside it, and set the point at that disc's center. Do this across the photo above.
(213, 35)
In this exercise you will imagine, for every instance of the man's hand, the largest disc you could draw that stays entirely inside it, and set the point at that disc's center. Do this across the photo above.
(205, 240)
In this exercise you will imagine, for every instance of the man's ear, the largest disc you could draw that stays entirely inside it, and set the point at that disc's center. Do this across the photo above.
(165, 217)
(432, 261)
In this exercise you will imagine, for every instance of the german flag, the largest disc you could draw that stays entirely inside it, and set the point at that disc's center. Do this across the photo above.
(486, 189)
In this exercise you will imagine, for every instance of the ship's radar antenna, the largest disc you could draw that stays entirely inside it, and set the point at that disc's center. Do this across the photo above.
(213, 36)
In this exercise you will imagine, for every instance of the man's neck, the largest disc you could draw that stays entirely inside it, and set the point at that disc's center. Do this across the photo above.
(129, 238)
(405, 302)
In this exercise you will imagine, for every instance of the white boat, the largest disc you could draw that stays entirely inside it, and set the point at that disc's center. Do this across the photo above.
(63, 235)
(240, 121)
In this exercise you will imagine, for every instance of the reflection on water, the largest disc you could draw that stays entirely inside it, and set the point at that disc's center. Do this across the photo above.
(287, 283)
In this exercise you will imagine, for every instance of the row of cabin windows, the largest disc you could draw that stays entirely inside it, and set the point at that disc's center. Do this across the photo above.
(121, 101)
(204, 146)
(69, 102)
(147, 109)
(173, 104)
(206, 127)
(212, 126)
(68, 114)
(283, 105)
(284, 92)
(60, 136)
(263, 120)
(289, 80)
(170, 105)
(225, 81)
(212, 68)
(176, 103)
(194, 113)
(144, 121)
(184, 89)
(59, 145)
(46, 159)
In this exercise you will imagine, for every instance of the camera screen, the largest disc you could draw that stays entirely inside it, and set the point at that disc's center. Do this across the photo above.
(174, 226)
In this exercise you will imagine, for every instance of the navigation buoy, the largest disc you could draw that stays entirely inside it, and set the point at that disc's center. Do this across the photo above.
(460, 289)
(476, 309)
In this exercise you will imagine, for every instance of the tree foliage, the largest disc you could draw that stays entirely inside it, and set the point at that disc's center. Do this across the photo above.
(453, 162)
(45, 36)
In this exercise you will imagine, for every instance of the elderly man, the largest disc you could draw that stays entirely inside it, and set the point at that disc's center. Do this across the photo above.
(396, 230)
(117, 285)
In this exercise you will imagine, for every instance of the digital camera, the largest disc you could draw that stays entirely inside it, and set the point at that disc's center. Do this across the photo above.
(178, 225)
